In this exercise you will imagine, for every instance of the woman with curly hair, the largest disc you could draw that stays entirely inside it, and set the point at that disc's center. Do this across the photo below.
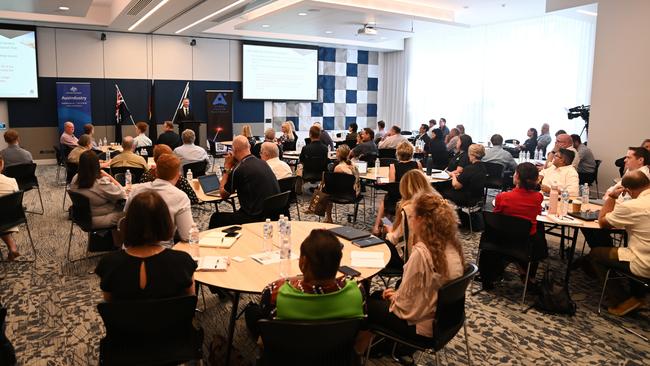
(436, 258)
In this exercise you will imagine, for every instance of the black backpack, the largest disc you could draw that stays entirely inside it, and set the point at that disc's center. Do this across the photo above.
(554, 297)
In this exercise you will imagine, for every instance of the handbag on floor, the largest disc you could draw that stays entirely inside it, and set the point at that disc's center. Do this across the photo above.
(319, 201)
(554, 297)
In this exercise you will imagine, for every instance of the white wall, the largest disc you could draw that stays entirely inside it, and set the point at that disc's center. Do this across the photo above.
(621, 82)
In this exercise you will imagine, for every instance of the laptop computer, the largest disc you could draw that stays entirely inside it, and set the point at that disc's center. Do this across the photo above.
(349, 233)
(585, 215)
(368, 242)
(210, 185)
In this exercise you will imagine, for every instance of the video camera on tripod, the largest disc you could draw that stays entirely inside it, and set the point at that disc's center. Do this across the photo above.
(581, 111)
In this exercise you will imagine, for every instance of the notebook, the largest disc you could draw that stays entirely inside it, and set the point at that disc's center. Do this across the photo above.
(349, 233)
(586, 215)
(362, 166)
(218, 239)
(210, 185)
(213, 264)
(368, 242)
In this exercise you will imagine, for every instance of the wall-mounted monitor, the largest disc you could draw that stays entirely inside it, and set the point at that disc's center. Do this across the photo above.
(18, 66)
(279, 72)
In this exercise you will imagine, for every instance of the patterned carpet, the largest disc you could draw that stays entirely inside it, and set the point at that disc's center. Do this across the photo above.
(53, 319)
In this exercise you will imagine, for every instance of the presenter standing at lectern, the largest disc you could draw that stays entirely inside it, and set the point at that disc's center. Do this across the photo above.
(184, 113)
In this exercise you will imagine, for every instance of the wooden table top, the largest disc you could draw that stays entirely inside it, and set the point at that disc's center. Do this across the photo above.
(382, 176)
(571, 221)
(196, 186)
(250, 276)
(105, 148)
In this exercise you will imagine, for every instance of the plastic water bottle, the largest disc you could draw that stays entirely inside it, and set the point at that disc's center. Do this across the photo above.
(552, 200)
(285, 249)
(217, 171)
(377, 165)
(564, 207)
(267, 234)
(105, 142)
(144, 153)
(128, 178)
(585, 194)
(194, 241)
(189, 176)
(100, 143)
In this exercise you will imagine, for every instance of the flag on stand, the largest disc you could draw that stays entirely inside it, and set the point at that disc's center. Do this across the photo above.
(121, 114)
(152, 118)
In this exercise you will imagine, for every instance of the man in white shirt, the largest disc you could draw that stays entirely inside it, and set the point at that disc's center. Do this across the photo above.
(67, 137)
(636, 158)
(562, 173)
(269, 153)
(141, 140)
(380, 133)
(8, 186)
(188, 152)
(168, 172)
(392, 139)
(632, 216)
(496, 154)
(563, 141)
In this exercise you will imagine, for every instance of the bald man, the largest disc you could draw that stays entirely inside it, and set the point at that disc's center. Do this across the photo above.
(270, 153)
(253, 181)
(563, 141)
(68, 138)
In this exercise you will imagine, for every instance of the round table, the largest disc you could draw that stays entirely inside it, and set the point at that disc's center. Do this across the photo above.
(250, 276)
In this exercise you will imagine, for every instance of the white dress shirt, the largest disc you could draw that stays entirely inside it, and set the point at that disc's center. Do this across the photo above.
(177, 201)
(141, 141)
(190, 153)
(391, 142)
(279, 168)
(565, 177)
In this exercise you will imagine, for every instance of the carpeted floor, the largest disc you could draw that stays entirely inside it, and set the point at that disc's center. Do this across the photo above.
(53, 320)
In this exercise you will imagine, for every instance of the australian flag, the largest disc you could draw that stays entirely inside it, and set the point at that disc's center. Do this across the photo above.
(121, 114)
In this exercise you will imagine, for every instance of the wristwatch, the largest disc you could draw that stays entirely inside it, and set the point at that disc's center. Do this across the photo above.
(227, 171)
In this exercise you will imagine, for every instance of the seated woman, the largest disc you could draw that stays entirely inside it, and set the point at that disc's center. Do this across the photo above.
(405, 163)
(105, 194)
(8, 186)
(345, 166)
(145, 269)
(468, 184)
(451, 140)
(288, 138)
(182, 183)
(247, 132)
(316, 295)
(352, 132)
(461, 158)
(437, 258)
(530, 144)
(437, 149)
(524, 201)
(412, 182)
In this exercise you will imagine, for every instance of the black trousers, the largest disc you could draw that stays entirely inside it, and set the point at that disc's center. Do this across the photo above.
(597, 237)
(220, 219)
(379, 315)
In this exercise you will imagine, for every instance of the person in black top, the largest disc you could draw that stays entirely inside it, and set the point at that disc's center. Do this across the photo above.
(437, 149)
(531, 143)
(184, 113)
(169, 137)
(461, 158)
(352, 132)
(269, 136)
(145, 269)
(469, 184)
(251, 178)
(367, 145)
(423, 135)
(325, 137)
(313, 156)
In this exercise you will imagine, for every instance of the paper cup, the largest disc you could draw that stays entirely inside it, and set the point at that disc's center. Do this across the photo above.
(576, 205)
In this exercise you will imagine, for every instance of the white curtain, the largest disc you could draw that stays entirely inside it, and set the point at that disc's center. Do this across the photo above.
(393, 87)
(502, 78)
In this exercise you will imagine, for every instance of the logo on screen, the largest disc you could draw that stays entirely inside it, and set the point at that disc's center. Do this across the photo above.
(73, 89)
(219, 100)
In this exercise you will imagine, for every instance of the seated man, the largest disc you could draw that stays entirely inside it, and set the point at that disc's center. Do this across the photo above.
(127, 158)
(169, 137)
(423, 135)
(269, 136)
(14, 154)
(587, 164)
(188, 152)
(632, 216)
(141, 140)
(168, 172)
(367, 145)
(84, 144)
(563, 141)
(313, 156)
(252, 180)
(68, 139)
(269, 154)
(325, 137)
(562, 173)
(316, 295)
(496, 154)
(392, 138)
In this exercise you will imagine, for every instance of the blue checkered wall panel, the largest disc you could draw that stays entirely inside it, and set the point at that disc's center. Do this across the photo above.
(347, 92)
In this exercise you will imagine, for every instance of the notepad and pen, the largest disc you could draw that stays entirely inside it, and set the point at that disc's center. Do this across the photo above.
(367, 259)
(219, 239)
(271, 257)
(212, 264)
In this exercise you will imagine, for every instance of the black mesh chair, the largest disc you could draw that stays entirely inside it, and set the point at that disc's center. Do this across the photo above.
(276, 205)
(289, 145)
(145, 151)
(136, 173)
(325, 342)
(494, 176)
(12, 214)
(351, 143)
(70, 171)
(340, 190)
(82, 217)
(369, 158)
(25, 175)
(313, 168)
(510, 237)
(591, 178)
(150, 332)
(383, 162)
(198, 168)
(289, 185)
(449, 318)
(60, 163)
(387, 153)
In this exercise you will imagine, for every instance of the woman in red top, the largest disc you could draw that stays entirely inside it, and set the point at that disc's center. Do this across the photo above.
(524, 201)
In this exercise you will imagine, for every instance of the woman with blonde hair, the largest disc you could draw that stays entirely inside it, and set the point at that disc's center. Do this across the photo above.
(247, 132)
(289, 137)
(437, 258)
(345, 166)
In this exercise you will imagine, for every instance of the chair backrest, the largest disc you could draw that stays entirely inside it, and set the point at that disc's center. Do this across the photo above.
(450, 311)
(148, 320)
(289, 145)
(276, 205)
(596, 171)
(387, 153)
(136, 173)
(198, 168)
(314, 166)
(288, 185)
(387, 161)
(511, 141)
(120, 178)
(70, 171)
(148, 149)
(494, 170)
(25, 175)
(81, 214)
(340, 185)
(508, 235)
(325, 342)
(351, 144)
(12, 212)
(60, 160)
(369, 158)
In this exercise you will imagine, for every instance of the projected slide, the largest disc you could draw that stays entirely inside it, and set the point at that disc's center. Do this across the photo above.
(279, 73)
(18, 72)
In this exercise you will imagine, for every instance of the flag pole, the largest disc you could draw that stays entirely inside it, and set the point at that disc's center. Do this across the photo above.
(183, 96)
(126, 106)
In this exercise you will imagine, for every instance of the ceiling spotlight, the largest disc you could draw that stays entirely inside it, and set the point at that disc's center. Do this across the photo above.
(64, 8)
(193, 42)
(328, 32)
(302, 14)
(102, 36)
(265, 26)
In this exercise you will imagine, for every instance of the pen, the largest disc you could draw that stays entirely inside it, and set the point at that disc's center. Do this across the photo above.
(568, 218)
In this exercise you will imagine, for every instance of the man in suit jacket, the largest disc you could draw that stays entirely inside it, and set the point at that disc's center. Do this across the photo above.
(184, 113)
(169, 137)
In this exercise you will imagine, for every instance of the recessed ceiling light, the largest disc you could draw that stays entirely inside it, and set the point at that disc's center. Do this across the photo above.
(302, 14)
(155, 8)
(64, 8)
(328, 32)
(265, 26)
(226, 8)
(586, 12)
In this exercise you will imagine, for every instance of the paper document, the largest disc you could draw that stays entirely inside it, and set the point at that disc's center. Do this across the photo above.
(212, 263)
(565, 220)
(217, 239)
(367, 259)
(270, 257)
(441, 175)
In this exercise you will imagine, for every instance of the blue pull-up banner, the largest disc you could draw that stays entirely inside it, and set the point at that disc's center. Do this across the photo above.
(73, 104)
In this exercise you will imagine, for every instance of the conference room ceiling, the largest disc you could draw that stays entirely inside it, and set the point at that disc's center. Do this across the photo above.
(323, 22)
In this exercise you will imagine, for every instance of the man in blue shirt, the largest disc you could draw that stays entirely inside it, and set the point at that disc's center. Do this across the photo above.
(498, 155)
